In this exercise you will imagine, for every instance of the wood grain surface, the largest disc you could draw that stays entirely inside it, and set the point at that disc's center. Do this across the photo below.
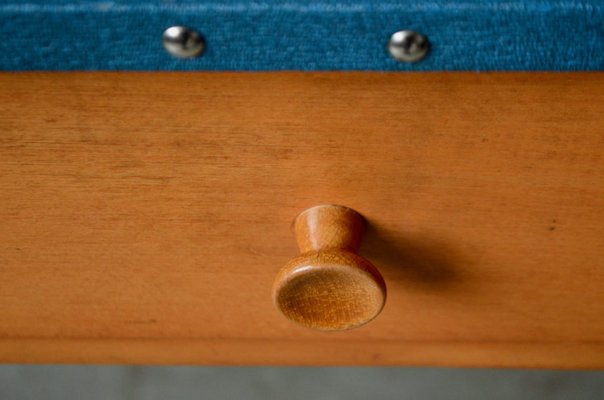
(143, 216)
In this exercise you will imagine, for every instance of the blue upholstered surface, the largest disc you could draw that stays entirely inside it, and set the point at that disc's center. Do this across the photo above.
(303, 34)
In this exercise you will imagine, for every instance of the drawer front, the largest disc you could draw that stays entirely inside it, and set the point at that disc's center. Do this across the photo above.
(145, 216)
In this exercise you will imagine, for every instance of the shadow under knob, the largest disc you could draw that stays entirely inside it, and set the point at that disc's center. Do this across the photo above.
(328, 286)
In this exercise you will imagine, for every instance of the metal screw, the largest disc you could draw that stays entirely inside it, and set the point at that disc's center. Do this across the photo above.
(408, 46)
(183, 42)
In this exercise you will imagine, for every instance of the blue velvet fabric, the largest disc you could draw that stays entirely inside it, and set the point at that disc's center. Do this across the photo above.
(473, 35)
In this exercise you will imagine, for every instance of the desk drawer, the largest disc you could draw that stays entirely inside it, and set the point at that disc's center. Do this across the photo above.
(145, 215)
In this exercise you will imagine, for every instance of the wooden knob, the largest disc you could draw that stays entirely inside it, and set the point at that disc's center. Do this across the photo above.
(328, 286)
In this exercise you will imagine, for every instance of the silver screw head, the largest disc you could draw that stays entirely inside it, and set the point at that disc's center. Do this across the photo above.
(408, 46)
(183, 42)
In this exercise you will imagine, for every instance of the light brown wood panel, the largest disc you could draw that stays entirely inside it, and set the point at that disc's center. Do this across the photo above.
(144, 216)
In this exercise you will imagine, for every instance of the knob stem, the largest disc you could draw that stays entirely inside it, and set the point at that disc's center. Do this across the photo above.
(329, 227)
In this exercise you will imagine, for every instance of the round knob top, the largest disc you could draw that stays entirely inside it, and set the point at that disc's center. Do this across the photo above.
(329, 290)
(329, 287)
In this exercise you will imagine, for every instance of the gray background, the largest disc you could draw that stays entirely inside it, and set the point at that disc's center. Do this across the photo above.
(149, 383)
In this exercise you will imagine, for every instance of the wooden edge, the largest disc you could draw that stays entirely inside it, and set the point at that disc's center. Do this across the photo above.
(563, 355)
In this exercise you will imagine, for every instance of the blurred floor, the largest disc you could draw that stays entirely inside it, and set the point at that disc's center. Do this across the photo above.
(149, 383)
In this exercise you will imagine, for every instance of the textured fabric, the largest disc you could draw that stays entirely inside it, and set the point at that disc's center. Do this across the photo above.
(470, 35)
